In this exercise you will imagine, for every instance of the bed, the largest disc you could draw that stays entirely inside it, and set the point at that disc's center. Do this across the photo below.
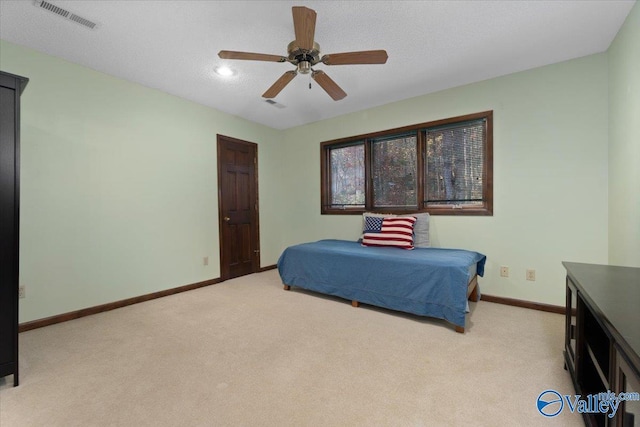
(431, 282)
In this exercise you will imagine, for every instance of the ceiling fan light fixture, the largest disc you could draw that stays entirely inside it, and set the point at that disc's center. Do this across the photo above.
(304, 67)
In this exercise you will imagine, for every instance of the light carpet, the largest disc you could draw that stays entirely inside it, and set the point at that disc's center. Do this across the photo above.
(247, 353)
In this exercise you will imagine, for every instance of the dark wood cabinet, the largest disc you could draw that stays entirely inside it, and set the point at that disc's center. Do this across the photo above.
(11, 87)
(627, 381)
(571, 330)
(602, 339)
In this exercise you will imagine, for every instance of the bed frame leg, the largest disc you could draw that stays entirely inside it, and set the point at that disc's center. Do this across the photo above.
(474, 294)
(460, 329)
(287, 287)
(355, 303)
(472, 289)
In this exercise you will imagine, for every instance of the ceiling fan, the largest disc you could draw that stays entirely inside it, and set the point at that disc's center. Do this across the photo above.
(304, 53)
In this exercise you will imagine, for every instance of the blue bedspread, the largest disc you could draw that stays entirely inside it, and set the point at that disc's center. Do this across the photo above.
(425, 281)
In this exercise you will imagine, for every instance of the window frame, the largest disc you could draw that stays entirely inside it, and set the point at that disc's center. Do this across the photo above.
(486, 209)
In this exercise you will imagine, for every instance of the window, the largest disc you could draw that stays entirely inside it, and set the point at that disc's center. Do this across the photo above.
(346, 166)
(443, 167)
(394, 172)
(454, 169)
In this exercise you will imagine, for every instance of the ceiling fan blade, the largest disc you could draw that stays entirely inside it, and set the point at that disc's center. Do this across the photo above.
(230, 54)
(362, 57)
(304, 24)
(328, 85)
(284, 80)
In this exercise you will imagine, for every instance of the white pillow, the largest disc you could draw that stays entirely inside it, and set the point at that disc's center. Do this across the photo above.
(421, 230)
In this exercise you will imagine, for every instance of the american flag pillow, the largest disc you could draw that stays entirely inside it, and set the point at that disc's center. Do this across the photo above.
(389, 231)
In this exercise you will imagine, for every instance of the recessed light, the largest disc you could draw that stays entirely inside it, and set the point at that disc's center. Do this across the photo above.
(224, 71)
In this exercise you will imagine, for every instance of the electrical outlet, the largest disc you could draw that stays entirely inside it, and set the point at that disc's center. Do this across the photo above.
(21, 291)
(504, 271)
(205, 260)
(531, 275)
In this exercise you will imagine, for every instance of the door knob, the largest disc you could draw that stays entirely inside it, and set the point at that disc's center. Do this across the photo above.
(226, 218)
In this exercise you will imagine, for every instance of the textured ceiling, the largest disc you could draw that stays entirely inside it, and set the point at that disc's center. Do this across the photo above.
(432, 45)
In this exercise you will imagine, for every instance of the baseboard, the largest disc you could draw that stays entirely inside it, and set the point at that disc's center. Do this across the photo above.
(59, 318)
(525, 304)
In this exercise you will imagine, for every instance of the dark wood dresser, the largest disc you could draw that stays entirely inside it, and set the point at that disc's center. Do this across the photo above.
(11, 86)
(602, 339)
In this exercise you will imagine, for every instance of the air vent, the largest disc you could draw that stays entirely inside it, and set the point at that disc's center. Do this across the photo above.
(65, 14)
(274, 103)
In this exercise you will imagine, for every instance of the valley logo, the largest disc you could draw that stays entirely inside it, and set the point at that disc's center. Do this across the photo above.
(551, 403)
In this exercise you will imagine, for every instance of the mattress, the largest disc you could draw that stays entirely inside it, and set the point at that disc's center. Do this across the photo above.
(424, 281)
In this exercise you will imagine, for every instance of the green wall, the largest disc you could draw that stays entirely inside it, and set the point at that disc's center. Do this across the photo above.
(624, 143)
(550, 174)
(119, 193)
(119, 186)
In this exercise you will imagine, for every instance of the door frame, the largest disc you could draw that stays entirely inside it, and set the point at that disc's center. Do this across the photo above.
(255, 239)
